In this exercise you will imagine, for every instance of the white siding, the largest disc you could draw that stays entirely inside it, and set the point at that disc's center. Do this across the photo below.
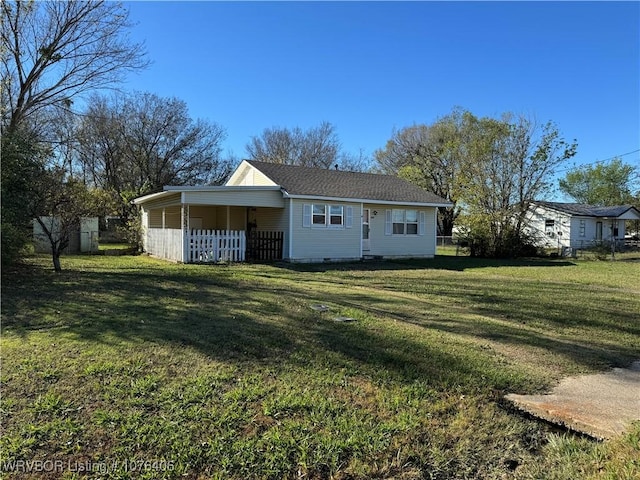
(325, 243)
(566, 231)
(169, 200)
(261, 198)
(316, 244)
(271, 219)
(557, 236)
(145, 227)
(248, 176)
(409, 246)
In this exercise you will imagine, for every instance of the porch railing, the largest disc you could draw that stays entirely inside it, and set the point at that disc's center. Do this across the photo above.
(215, 246)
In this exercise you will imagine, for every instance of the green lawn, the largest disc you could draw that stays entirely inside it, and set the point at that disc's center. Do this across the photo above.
(227, 371)
(115, 246)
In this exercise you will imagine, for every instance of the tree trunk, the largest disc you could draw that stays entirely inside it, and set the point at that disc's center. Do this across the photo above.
(55, 253)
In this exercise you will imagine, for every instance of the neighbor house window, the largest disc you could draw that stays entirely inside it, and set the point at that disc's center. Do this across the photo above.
(335, 215)
(319, 214)
(549, 223)
(583, 227)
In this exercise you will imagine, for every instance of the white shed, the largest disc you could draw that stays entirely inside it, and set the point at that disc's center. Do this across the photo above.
(83, 240)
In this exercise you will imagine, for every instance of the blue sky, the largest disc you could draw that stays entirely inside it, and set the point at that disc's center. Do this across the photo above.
(370, 67)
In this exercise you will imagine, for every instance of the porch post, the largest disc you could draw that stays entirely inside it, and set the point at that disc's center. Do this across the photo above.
(186, 232)
(228, 217)
(362, 228)
(290, 229)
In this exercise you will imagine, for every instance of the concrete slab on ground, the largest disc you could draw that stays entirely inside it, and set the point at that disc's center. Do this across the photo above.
(601, 405)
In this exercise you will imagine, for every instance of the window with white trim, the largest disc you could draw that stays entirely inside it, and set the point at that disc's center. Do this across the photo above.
(583, 228)
(401, 222)
(404, 222)
(327, 215)
(397, 216)
(319, 214)
(411, 222)
(336, 215)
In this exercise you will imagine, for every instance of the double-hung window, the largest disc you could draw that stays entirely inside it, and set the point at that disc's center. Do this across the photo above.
(327, 215)
(319, 214)
(398, 221)
(336, 217)
(411, 222)
(404, 222)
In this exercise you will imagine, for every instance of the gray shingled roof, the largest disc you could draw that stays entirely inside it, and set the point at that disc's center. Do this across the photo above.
(320, 182)
(582, 209)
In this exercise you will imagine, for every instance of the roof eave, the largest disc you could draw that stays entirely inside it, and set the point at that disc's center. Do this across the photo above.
(220, 188)
(151, 196)
(364, 200)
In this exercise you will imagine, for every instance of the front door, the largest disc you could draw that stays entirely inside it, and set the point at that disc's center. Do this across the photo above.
(365, 230)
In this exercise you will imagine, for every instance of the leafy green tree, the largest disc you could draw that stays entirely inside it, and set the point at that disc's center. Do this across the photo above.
(430, 156)
(603, 184)
(509, 163)
(22, 160)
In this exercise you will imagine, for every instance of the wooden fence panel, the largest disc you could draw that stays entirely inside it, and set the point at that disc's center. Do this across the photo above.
(265, 246)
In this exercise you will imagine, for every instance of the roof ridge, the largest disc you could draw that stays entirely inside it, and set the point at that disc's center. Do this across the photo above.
(320, 182)
(290, 166)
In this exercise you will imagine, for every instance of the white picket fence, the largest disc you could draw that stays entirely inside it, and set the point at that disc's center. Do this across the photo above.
(215, 246)
(165, 243)
(197, 246)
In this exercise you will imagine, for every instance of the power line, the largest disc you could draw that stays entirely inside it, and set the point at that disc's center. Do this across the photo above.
(597, 162)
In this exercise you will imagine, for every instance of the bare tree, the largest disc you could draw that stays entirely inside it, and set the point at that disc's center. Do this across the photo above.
(54, 51)
(315, 147)
(137, 144)
(349, 162)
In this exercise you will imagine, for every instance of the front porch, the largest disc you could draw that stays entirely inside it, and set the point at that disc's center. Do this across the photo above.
(214, 233)
(213, 246)
(213, 224)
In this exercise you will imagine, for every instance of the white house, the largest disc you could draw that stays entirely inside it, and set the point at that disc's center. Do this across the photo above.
(269, 211)
(576, 225)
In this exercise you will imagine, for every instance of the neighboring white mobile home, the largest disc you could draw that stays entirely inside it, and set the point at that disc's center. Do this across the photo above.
(270, 211)
(577, 226)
